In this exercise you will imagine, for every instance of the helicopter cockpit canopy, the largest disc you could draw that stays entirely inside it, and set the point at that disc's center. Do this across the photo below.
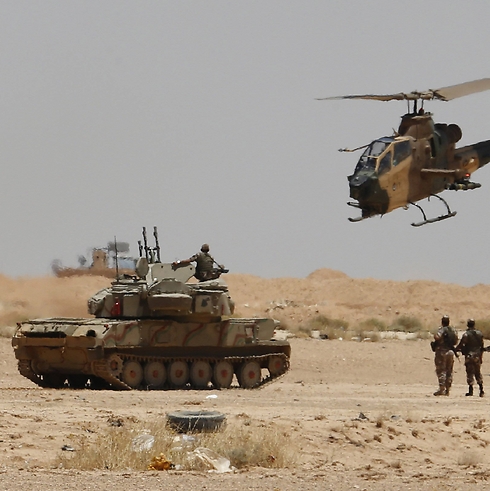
(382, 154)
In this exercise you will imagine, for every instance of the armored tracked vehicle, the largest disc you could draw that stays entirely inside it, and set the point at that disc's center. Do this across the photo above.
(153, 330)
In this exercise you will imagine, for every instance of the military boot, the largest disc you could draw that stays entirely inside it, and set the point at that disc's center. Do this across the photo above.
(481, 390)
(470, 391)
(441, 391)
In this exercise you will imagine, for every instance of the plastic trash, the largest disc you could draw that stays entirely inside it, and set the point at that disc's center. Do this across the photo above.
(183, 442)
(212, 396)
(142, 443)
(210, 457)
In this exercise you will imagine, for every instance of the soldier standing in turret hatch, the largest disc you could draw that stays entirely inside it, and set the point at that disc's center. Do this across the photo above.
(471, 345)
(445, 340)
(205, 269)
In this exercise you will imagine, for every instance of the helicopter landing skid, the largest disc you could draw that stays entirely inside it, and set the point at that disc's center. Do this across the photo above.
(365, 213)
(449, 213)
(356, 219)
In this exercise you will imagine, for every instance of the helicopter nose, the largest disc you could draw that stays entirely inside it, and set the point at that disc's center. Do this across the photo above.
(358, 183)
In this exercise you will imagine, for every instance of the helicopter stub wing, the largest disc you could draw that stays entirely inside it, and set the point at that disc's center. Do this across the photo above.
(440, 172)
(443, 94)
(457, 173)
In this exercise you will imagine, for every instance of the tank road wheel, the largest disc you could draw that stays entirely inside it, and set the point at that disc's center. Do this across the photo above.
(277, 365)
(155, 374)
(178, 373)
(200, 374)
(77, 381)
(222, 375)
(132, 374)
(249, 374)
(115, 364)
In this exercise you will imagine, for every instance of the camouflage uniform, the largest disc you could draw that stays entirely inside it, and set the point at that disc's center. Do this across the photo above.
(471, 345)
(443, 346)
(205, 269)
(204, 265)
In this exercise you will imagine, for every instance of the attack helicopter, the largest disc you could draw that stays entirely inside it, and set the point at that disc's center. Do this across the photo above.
(419, 161)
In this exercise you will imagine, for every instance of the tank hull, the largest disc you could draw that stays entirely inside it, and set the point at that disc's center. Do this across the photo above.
(150, 353)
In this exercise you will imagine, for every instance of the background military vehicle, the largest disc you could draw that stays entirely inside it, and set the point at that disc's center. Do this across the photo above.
(153, 329)
(103, 263)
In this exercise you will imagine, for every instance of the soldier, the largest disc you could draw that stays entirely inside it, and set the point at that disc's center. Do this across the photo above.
(471, 345)
(205, 269)
(443, 345)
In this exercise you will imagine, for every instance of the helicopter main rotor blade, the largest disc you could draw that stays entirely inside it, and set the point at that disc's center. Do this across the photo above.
(460, 90)
(443, 94)
(381, 97)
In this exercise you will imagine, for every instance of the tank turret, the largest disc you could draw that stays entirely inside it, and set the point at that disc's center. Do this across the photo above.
(158, 291)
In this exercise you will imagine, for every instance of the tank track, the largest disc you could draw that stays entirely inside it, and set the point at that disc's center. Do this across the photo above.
(100, 369)
(26, 370)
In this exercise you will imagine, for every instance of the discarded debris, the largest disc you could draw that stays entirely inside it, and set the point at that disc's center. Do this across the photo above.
(210, 457)
(183, 442)
(67, 448)
(143, 442)
(160, 463)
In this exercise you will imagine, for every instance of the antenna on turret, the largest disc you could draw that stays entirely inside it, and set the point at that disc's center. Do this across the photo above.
(116, 259)
(157, 245)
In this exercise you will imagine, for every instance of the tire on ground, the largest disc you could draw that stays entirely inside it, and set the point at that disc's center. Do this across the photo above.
(194, 421)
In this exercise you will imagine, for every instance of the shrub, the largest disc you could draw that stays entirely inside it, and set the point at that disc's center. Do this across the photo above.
(407, 323)
(483, 325)
(373, 324)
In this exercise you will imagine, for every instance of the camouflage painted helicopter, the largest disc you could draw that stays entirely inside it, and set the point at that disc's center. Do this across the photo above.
(419, 161)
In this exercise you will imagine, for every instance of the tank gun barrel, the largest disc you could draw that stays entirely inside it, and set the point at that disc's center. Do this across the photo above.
(157, 245)
(145, 242)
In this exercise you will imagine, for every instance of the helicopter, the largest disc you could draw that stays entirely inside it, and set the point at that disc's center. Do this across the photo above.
(418, 161)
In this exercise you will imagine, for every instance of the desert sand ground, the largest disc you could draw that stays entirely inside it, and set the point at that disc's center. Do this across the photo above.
(361, 415)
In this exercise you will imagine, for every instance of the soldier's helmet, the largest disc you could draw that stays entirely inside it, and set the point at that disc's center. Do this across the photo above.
(471, 323)
(205, 248)
(445, 320)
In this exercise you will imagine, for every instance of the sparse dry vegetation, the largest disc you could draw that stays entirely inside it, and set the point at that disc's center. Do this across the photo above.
(123, 447)
(332, 328)
(406, 323)
(483, 325)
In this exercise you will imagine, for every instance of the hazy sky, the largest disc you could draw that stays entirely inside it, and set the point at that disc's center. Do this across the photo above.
(200, 118)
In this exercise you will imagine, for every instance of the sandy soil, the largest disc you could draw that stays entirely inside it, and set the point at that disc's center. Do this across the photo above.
(407, 438)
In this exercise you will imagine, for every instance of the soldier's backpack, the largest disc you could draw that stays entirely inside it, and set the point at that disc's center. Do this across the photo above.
(450, 337)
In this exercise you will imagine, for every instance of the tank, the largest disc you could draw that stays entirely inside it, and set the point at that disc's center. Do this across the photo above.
(153, 330)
